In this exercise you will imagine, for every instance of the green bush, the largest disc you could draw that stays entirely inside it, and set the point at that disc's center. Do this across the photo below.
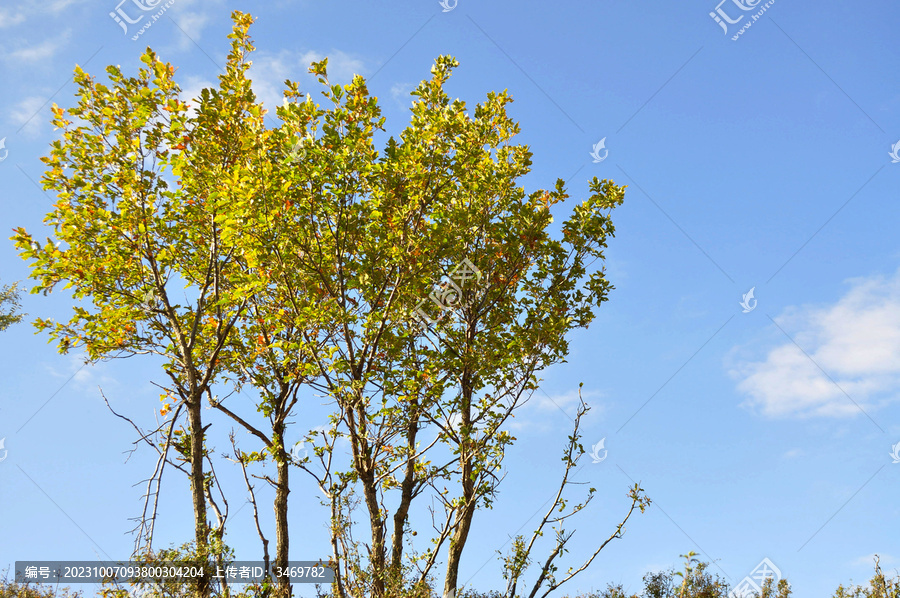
(12, 589)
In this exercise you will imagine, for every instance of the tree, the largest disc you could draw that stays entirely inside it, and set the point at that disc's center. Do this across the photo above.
(521, 554)
(879, 586)
(313, 272)
(130, 238)
(353, 239)
(9, 306)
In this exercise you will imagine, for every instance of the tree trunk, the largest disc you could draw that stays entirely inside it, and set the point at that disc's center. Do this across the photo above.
(376, 522)
(466, 512)
(406, 495)
(201, 527)
(365, 467)
(462, 524)
(282, 489)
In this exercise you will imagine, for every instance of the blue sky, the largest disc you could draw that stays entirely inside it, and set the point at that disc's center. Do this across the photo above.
(758, 162)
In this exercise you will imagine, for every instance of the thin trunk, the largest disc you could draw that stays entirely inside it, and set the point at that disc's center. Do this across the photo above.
(376, 522)
(335, 545)
(466, 512)
(461, 532)
(365, 467)
(406, 495)
(198, 479)
(282, 489)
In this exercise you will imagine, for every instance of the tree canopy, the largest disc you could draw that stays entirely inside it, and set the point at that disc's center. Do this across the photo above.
(419, 288)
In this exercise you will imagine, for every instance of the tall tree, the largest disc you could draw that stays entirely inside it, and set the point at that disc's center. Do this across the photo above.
(312, 260)
(355, 241)
(127, 241)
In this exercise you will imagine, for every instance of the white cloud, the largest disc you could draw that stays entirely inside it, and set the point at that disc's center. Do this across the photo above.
(58, 6)
(544, 412)
(42, 51)
(566, 401)
(27, 114)
(8, 18)
(856, 341)
(869, 560)
(190, 91)
(12, 17)
(269, 71)
(81, 377)
(794, 453)
(400, 93)
(191, 25)
(341, 66)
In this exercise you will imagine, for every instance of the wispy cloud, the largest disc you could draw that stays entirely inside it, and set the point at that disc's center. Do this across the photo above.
(869, 560)
(341, 66)
(566, 401)
(84, 378)
(269, 71)
(856, 341)
(58, 6)
(541, 408)
(190, 91)
(25, 114)
(192, 17)
(11, 18)
(31, 53)
(191, 25)
(400, 94)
